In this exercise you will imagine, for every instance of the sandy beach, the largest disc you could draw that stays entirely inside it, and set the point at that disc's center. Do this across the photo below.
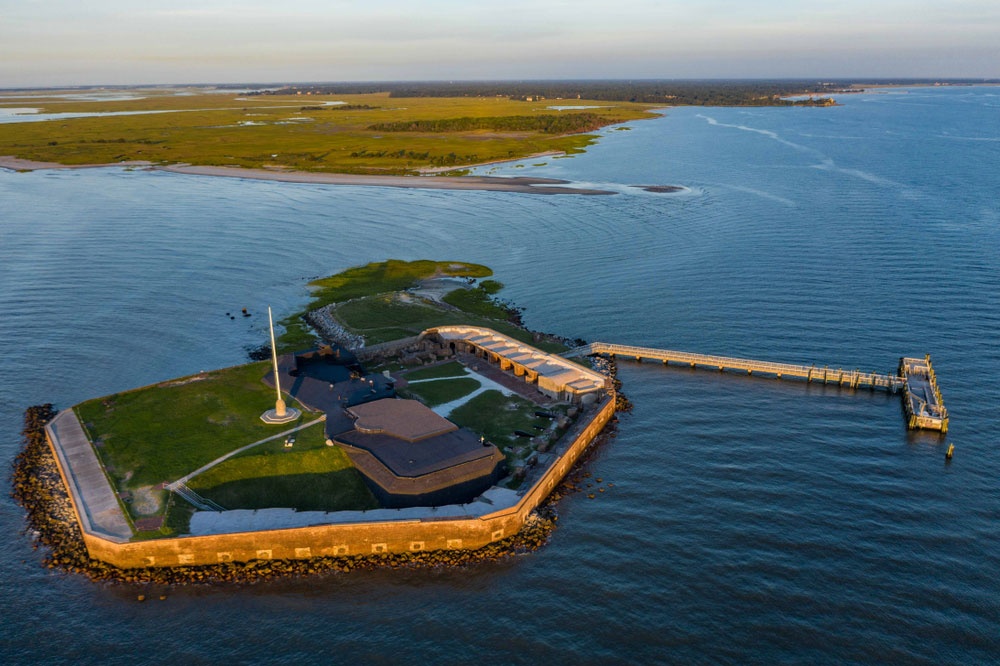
(490, 183)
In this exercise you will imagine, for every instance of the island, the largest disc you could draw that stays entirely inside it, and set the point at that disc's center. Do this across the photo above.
(424, 135)
(424, 424)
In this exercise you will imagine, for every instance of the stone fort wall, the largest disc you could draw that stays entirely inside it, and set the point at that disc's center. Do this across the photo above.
(354, 538)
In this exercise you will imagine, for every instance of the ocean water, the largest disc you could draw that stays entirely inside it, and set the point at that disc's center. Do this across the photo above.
(744, 520)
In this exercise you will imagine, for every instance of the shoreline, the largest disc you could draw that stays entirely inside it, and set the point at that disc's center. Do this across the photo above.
(519, 184)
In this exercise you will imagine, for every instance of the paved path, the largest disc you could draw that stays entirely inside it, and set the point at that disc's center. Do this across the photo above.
(187, 477)
(93, 495)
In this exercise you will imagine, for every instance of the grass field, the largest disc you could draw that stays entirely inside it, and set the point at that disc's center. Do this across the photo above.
(158, 434)
(496, 417)
(372, 305)
(305, 133)
(369, 280)
(309, 476)
(154, 435)
(439, 392)
(386, 317)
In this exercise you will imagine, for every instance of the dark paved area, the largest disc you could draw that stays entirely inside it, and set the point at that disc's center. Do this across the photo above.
(329, 387)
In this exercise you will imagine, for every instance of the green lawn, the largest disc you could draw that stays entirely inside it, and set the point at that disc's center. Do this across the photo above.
(309, 476)
(496, 416)
(384, 317)
(441, 391)
(331, 491)
(476, 301)
(369, 280)
(163, 432)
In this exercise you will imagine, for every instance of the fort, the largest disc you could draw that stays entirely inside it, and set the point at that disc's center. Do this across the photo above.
(414, 459)
(431, 468)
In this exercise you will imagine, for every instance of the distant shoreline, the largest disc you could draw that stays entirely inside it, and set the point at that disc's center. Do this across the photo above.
(525, 185)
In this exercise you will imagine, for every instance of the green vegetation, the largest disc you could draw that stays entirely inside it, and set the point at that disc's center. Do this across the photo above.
(479, 301)
(439, 392)
(161, 433)
(369, 280)
(388, 317)
(158, 434)
(391, 275)
(149, 436)
(310, 476)
(577, 93)
(279, 132)
(496, 416)
(546, 124)
(373, 303)
(329, 491)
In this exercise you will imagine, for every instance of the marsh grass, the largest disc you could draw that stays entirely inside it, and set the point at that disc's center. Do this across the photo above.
(295, 132)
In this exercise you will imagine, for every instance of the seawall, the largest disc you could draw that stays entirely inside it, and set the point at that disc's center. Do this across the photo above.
(356, 538)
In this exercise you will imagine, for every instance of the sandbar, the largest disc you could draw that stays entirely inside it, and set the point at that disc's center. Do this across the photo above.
(488, 183)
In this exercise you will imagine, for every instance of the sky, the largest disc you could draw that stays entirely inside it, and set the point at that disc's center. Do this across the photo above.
(115, 42)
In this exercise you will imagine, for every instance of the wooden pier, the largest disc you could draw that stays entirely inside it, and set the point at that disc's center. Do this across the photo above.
(922, 399)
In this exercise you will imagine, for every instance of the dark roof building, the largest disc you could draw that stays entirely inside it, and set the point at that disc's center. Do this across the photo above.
(329, 379)
(410, 456)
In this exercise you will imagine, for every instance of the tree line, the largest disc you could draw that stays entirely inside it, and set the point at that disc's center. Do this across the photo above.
(562, 123)
(667, 92)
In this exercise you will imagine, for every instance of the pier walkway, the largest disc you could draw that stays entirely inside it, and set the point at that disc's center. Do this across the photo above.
(921, 396)
(810, 373)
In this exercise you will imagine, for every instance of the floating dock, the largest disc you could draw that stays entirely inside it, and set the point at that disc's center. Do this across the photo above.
(922, 399)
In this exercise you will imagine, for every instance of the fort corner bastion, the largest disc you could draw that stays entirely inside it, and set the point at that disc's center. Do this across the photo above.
(415, 513)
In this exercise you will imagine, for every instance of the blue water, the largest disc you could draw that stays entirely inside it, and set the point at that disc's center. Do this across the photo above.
(750, 521)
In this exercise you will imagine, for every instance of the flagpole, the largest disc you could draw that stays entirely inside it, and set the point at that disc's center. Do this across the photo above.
(281, 413)
(279, 406)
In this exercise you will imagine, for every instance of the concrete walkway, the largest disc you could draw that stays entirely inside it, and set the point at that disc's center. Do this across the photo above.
(485, 384)
(95, 499)
(204, 468)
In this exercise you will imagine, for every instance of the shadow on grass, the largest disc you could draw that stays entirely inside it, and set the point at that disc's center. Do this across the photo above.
(343, 490)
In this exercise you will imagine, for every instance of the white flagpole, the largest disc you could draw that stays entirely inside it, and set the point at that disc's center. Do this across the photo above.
(279, 406)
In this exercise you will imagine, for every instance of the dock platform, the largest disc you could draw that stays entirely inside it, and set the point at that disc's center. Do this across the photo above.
(922, 398)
